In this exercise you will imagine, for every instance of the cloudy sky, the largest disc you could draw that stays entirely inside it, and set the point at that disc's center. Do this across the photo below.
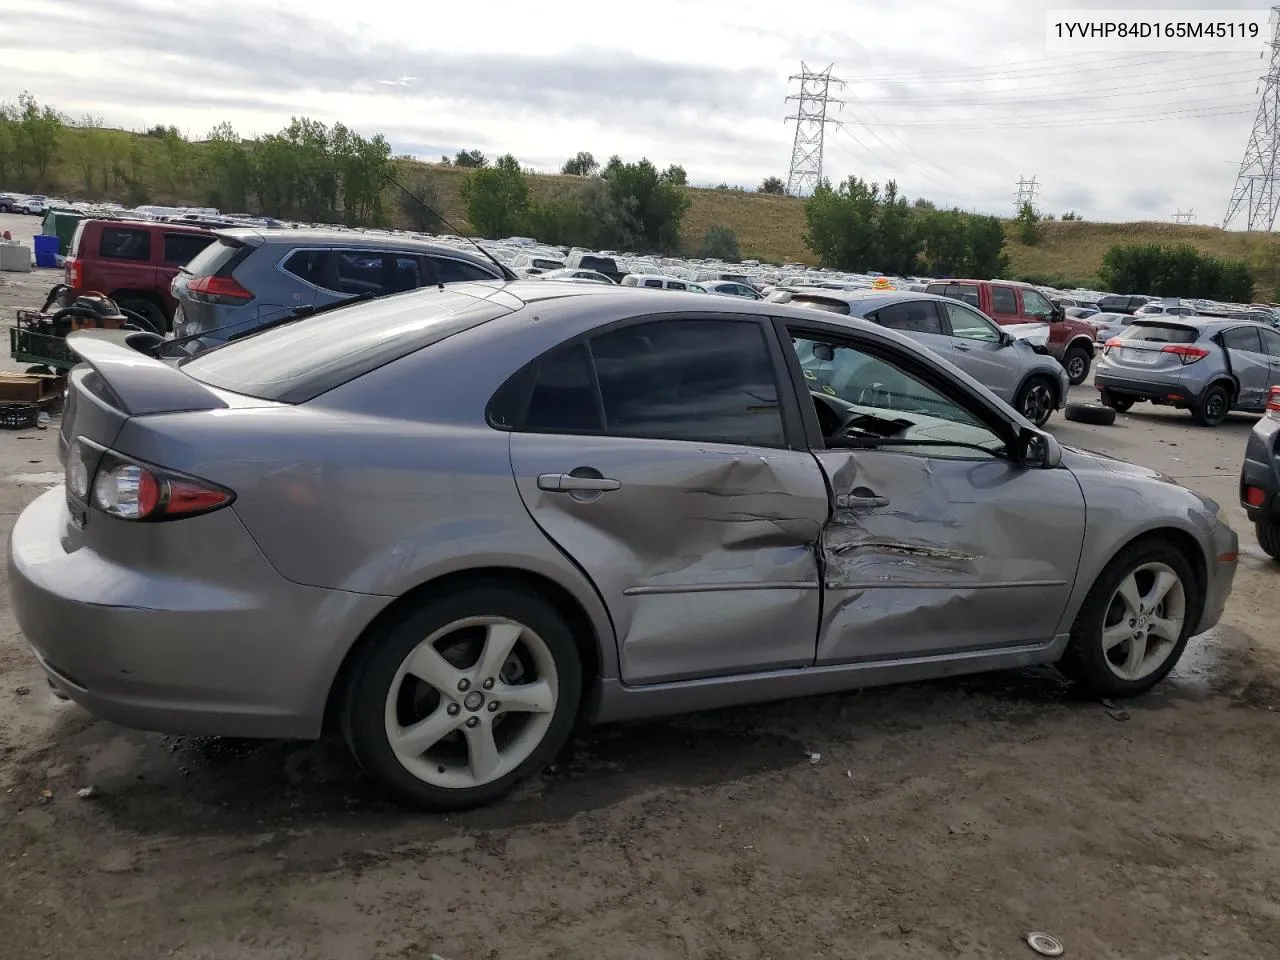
(955, 99)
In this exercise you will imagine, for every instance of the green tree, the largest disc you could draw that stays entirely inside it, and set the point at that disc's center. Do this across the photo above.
(497, 198)
(420, 204)
(986, 258)
(772, 185)
(644, 208)
(896, 233)
(9, 148)
(721, 243)
(1175, 271)
(675, 174)
(583, 165)
(842, 225)
(1028, 223)
(1071, 215)
(39, 131)
(470, 158)
(227, 169)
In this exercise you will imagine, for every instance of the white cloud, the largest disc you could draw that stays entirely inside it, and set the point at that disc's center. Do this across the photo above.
(955, 99)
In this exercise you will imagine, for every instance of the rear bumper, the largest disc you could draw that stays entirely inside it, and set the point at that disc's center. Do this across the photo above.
(253, 656)
(1261, 471)
(1169, 389)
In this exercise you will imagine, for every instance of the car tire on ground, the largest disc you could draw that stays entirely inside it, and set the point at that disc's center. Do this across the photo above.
(1213, 406)
(1037, 400)
(419, 712)
(1268, 532)
(1090, 413)
(1115, 401)
(1076, 362)
(1135, 621)
(147, 312)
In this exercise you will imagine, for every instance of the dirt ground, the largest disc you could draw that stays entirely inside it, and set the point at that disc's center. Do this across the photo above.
(939, 820)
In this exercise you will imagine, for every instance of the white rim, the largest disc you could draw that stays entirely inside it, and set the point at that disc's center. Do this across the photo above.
(1143, 621)
(458, 727)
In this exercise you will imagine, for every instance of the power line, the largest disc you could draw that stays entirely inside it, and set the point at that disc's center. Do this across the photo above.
(1188, 217)
(1026, 195)
(1066, 97)
(811, 127)
(1255, 186)
(1053, 66)
(1216, 110)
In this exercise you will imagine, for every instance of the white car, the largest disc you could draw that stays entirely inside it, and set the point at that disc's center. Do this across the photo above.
(37, 205)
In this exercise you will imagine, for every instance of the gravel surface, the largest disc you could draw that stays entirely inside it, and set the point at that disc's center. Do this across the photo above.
(942, 820)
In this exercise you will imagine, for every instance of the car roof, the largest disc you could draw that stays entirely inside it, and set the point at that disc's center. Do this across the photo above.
(1201, 323)
(350, 239)
(868, 298)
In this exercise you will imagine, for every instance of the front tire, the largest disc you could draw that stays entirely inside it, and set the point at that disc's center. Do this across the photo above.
(467, 695)
(1268, 532)
(1213, 407)
(1076, 362)
(1134, 623)
(1037, 400)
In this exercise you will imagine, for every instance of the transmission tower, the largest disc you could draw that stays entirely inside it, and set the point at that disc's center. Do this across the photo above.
(1256, 182)
(1188, 217)
(811, 126)
(1026, 194)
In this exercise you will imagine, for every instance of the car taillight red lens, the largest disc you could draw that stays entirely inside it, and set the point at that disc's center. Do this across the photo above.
(133, 491)
(73, 274)
(1273, 403)
(224, 289)
(1185, 352)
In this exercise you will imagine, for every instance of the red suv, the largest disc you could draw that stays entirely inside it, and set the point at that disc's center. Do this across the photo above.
(1070, 341)
(133, 262)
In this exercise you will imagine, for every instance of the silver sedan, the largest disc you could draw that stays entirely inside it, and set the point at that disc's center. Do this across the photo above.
(455, 521)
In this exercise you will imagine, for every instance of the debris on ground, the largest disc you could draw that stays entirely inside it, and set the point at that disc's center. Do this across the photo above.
(1121, 715)
(815, 757)
(21, 691)
(46, 795)
(1044, 944)
(87, 793)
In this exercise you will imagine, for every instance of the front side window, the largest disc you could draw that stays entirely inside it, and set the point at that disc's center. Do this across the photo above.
(970, 325)
(121, 244)
(1035, 305)
(861, 396)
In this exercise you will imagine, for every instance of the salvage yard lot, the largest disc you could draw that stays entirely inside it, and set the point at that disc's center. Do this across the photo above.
(934, 820)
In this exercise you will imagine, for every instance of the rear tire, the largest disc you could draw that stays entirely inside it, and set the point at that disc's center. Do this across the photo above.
(1116, 651)
(1268, 532)
(1076, 362)
(1213, 407)
(1037, 400)
(1118, 403)
(145, 312)
(437, 742)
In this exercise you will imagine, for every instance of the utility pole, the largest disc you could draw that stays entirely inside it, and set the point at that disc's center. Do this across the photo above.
(1026, 195)
(811, 126)
(1255, 187)
(1188, 217)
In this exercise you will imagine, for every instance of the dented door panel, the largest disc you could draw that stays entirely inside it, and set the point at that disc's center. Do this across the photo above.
(705, 554)
(931, 556)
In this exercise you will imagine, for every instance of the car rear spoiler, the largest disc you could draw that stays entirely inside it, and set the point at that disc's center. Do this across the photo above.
(137, 384)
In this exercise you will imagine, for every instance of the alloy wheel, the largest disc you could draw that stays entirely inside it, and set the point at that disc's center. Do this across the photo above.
(1037, 404)
(1076, 368)
(471, 702)
(1143, 621)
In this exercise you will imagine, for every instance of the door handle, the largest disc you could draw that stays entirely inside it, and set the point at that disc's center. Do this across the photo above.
(566, 483)
(962, 346)
(850, 502)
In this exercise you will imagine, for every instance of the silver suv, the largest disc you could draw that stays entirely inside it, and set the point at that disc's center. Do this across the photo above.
(253, 277)
(1034, 384)
(1209, 367)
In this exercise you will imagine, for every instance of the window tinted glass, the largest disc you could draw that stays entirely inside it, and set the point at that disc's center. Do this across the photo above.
(562, 399)
(914, 316)
(829, 304)
(893, 402)
(653, 283)
(1242, 338)
(1150, 331)
(308, 265)
(967, 324)
(121, 244)
(703, 380)
(449, 270)
(303, 359)
(676, 285)
(212, 258)
(964, 292)
(1271, 342)
(1003, 300)
(179, 248)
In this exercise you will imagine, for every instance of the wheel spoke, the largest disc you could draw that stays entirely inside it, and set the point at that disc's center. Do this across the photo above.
(484, 758)
(1164, 582)
(536, 697)
(417, 738)
(499, 640)
(1137, 653)
(428, 666)
(1164, 628)
(1114, 636)
(1128, 592)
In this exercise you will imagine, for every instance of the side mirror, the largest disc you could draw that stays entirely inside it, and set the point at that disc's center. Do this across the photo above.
(1038, 450)
(1007, 339)
(824, 352)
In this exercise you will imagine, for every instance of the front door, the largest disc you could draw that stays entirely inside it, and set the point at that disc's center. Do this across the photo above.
(934, 550)
(654, 454)
(1250, 366)
(982, 352)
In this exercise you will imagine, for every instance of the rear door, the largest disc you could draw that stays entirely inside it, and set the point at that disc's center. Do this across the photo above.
(655, 455)
(919, 320)
(1004, 304)
(1249, 364)
(123, 261)
(982, 352)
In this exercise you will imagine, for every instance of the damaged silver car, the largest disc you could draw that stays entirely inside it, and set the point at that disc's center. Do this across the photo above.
(452, 522)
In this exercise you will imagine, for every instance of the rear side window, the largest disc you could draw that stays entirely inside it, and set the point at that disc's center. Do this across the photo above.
(914, 316)
(829, 304)
(653, 283)
(118, 243)
(210, 261)
(301, 360)
(1004, 300)
(1141, 331)
(563, 399)
(180, 248)
(964, 292)
(357, 272)
(449, 270)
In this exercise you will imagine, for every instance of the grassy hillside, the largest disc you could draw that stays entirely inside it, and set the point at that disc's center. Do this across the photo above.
(768, 227)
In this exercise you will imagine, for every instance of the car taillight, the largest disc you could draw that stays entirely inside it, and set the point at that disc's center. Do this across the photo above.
(1185, 352)
(74, 273)
(130, 490)
(219, 289)
(1273, 403)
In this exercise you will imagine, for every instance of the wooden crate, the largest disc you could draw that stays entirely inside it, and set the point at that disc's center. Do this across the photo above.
(28, 387)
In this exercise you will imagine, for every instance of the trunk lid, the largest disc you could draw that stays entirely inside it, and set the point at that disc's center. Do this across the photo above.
(1141, 347)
